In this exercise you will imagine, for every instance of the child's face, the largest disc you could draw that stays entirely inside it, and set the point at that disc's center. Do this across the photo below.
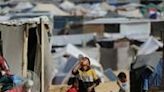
(123, 80)
(85, 64)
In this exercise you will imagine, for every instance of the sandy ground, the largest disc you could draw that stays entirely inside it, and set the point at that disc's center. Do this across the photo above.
(107, 86)
(103, 87)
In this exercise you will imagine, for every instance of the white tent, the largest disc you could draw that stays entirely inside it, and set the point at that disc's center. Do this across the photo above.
(22, 6)
(16, 36)
(50, 8)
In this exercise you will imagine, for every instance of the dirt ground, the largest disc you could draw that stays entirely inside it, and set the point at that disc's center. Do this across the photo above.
(103, 87)
(107, 86)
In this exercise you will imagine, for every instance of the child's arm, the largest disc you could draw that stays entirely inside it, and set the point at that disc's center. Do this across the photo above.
(92, 87)
(75, 70)
(96, 83)
(125, 87)
(97, 80)
(119, 84)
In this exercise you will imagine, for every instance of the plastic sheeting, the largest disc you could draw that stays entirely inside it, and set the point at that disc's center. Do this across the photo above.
(65, 65)
(67, 5)
(21, 22)
(23, 6)
(132, 13)
(50, 8)
(12, 38)
(96, 11)
(49, 69)
(73, 39)
(150, 61)
(66, 71)
(109, 73)
(150, 46)
(75, 52)
(156, 78)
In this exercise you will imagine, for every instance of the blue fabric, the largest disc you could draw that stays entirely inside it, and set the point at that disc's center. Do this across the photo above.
(153, 16)
(145, 85)
(156, 77)
(110, 75)
(145, 76)
(17, 80)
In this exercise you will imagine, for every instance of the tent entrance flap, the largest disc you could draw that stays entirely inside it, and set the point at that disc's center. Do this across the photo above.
(32, 44)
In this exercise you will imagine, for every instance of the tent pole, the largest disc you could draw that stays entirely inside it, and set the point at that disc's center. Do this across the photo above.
(25, 46)
(42, 54)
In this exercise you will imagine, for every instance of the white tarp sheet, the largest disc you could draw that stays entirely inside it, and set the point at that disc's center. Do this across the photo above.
(50, 8)
(117, 36)
(131, 13)
(12, 38)
(49, 68)
(75, 52)
(135, 28)
(63, 40)
(121, 20)
(67, 6)
(21, 22)
(150, 46)
(22, 6)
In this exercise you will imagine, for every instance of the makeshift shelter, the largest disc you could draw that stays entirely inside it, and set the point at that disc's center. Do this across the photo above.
(78, 39)
(146, 72)
(51, 8)
(23, 7)
(25, 47)
(62, 21)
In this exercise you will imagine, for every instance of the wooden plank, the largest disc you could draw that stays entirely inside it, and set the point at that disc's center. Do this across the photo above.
(94, 28)
(42, 55)
(25, 46)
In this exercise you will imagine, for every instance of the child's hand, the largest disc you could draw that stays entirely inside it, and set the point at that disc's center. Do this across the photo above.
(79, 65)
(119, 83)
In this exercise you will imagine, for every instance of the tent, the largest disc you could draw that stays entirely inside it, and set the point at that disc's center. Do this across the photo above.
(25, 46)
(146, 72)
(50, 8)
(63, 40)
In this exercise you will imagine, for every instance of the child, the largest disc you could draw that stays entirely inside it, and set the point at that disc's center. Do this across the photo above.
(122, 82)
(74, 83)
(87, 77)
(5, 75)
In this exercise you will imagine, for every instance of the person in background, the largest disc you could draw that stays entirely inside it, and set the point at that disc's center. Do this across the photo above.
(5, 75)
(11, 82)
(87, 76)
(4, 68)
(122, 82)
(74, 85)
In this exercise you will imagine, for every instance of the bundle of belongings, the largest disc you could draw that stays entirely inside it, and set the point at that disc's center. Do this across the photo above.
(10, 82)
